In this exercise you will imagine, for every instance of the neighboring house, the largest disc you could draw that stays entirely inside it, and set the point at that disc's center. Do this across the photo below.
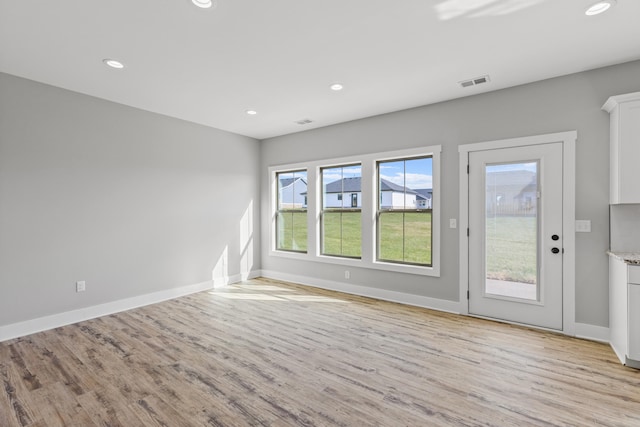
(511, 193)
(292, 193)
(346, 193)
(425, 198)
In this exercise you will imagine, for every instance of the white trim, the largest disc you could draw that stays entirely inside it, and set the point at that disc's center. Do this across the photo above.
(615, 100)
(568, 140)
(368, 210)
(39, 324)
(592, 332)
(365, 291)
(224, 281)
(569, 235)
(463, 239)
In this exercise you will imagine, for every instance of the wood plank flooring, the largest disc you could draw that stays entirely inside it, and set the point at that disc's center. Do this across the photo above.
(267, 353)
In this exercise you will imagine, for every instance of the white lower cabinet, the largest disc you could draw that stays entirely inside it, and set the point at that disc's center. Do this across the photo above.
(624, 311)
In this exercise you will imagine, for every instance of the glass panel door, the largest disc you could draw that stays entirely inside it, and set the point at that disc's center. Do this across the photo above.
(511, 230)
(515, 234)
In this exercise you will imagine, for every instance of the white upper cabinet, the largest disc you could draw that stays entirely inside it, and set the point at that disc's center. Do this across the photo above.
(625, 147)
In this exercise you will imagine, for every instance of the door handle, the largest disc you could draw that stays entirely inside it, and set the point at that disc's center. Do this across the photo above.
(555, 237)
(555, 250)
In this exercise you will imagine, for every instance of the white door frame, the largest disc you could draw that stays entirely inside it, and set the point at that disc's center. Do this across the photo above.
(568, 140)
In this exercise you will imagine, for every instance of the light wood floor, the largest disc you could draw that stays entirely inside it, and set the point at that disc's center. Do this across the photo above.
(269, 353)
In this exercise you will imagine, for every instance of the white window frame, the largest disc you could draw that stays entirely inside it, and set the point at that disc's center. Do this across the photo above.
(349, 208)
(369, 194)
(380, 210)
(277, 194)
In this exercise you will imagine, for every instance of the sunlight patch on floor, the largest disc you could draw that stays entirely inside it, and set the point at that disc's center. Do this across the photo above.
(270, 293)
(263, 288)
(312, 298)
(257, 297)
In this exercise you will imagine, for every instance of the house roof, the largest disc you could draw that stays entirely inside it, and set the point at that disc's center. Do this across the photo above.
(285, 182)
(424, 193)
(354, 185)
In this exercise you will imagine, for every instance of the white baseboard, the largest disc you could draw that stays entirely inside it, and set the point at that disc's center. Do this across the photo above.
(365, 291)
(27, 327)
(221, 282)
(32, 326)
(592, 332)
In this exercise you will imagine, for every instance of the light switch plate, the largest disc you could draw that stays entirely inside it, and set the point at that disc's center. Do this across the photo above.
(583, 226)
(452, 223)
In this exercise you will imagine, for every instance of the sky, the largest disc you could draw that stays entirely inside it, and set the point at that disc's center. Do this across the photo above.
(414, 173)
(503, 167)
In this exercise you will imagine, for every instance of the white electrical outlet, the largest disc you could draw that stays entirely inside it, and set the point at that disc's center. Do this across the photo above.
(347, 275)
(81, 286)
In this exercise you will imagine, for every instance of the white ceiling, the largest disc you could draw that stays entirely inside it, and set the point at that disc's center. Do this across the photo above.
(279, 57)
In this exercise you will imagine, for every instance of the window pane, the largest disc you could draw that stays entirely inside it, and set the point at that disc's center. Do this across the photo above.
(292, 231)
(342, 234)
(391, 240)
(419, 179)
(292, 190)
(299, 232)
(391, 185)
(291, 218)
(284, 231)
(331, 233)
(417, 240)
(341, 217)
(512, 230)
(405, 200)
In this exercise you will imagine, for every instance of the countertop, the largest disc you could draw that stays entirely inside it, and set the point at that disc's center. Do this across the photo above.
(628, 257)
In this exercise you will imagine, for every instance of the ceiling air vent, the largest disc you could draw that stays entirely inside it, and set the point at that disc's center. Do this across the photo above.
(475, 81)
(304, 121)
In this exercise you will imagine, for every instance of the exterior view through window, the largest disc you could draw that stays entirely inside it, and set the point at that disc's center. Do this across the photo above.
(341, 211)
(291, 215)
(404, 217)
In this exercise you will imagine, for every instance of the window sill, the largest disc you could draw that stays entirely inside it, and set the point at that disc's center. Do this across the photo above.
(359, 263)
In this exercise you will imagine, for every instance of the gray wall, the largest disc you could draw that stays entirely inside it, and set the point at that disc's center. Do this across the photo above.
(625, 228)
(130, 201)
(561, 104)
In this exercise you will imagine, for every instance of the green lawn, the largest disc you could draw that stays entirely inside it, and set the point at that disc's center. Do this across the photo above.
(511, 248)
(292, 231)
(415, 247)
(511, 241)
(342, 235)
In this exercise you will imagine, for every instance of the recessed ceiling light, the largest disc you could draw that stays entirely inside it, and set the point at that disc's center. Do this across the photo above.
(600, 7)
(336, 87)
(113, 63)
(251, 112)
(205, 4)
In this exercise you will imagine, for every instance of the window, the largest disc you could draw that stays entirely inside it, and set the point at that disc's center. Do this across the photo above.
(374, 211)
(341, 224)
(291, 213)
(404, 217)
